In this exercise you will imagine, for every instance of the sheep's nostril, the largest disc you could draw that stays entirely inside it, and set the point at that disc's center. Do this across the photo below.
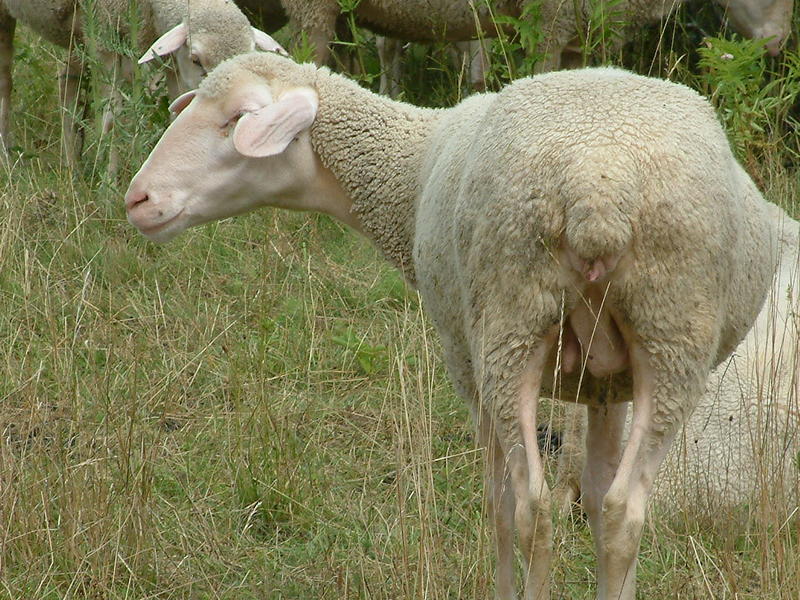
(133, 199)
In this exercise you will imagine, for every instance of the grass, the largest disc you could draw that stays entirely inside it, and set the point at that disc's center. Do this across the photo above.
(259, 410)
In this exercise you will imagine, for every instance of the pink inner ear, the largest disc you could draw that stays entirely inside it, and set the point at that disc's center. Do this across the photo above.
(167, 43)
(270, 129)
(182, 102)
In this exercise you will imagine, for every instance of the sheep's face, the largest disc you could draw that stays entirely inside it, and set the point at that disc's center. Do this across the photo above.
(193, 63)
(762, 19)
(213, 40)
(226, 156)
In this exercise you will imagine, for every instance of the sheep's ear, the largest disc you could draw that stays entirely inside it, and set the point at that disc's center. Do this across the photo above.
(182, 102)
(167, 43)
(270, 129)
(266, 43)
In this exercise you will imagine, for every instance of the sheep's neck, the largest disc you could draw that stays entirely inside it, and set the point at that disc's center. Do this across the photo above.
(374, 147)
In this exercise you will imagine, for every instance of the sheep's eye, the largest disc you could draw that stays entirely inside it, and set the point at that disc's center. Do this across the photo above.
(196, 60)
(233, 120)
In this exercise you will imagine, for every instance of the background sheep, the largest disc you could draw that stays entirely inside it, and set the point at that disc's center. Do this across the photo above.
(545, 237)
(566, 24)
(201, 34)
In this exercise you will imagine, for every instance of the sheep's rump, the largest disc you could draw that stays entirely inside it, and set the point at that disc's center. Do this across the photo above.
(562, 170)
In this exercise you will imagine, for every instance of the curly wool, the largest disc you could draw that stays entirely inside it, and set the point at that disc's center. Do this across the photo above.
(744, 437)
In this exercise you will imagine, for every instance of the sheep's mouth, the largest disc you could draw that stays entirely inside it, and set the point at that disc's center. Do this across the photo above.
(160, 231)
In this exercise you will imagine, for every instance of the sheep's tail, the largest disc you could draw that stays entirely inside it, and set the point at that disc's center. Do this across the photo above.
(598, 226)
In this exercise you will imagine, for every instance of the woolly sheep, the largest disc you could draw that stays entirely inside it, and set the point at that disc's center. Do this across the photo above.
(562, 23)
(743, 439)
(218, 31)
(520, 216)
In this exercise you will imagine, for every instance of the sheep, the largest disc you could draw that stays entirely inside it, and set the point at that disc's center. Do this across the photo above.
(201, 33)
(588, 233)
(562, 24)
(744, 436)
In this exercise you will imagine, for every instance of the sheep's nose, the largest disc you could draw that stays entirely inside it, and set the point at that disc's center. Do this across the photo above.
(135, 197)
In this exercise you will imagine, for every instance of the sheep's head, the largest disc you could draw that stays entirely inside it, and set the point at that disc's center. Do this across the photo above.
(760, 19)
(205, 40)
(238, 143)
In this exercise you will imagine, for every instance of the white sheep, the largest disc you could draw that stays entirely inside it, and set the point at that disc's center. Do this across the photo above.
(565, 23)
(201, 34)
(587, 232)
(742, 442)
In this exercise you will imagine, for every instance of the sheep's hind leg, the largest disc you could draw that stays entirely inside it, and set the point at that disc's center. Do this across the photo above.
(7, 26)
(500, 507)
(656, 420)
(514, 402)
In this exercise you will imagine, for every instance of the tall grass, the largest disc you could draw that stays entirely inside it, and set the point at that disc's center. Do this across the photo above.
(258, 410)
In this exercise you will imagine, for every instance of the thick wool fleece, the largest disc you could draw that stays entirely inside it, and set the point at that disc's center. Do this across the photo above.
(743, 440)
(575, 158)
(482, 204)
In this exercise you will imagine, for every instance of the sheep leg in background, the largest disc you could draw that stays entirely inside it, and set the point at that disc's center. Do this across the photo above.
(567, 489)
(71, 129)
(7, 26)
(473, 58)
(618, 531)
(112, 65)
(321, 33)
(604, 433)
(389, 53)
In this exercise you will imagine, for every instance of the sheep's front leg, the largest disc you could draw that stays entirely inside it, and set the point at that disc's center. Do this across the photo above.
(656, 419)
(317, 20)
(7, 26)
(389, 54)
(109, 91)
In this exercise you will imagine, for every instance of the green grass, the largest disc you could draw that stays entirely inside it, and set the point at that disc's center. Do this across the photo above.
(259, 410)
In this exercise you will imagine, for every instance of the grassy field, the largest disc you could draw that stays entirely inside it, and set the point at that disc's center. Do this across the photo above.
(259, 410)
